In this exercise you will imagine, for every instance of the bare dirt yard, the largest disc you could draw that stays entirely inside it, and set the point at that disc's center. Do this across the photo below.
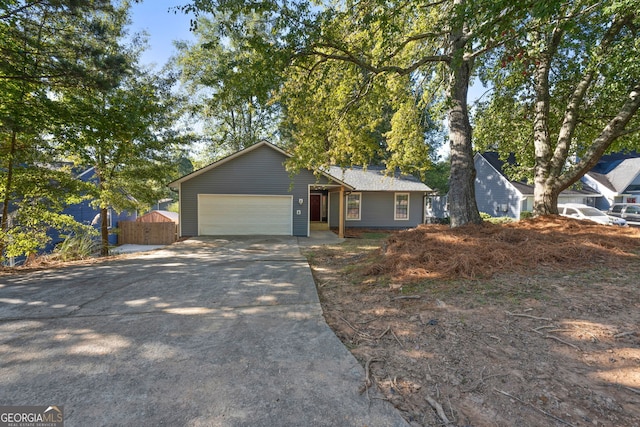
(535, 323)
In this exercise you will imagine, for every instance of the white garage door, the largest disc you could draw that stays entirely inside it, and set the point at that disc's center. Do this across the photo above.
(230, 214)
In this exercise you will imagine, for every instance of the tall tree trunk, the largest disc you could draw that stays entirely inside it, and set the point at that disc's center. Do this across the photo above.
(543, 197)
(104, 231)
(4, 223)
(552, 182)
(614, 129)
(545, 192)
(104, 215)
(463, 208)
(551, 176)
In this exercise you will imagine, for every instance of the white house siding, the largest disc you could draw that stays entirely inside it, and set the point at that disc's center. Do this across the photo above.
(609, 195)
(575, 199)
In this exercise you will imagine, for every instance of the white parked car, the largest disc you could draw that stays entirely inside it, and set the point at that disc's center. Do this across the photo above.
(579, 211)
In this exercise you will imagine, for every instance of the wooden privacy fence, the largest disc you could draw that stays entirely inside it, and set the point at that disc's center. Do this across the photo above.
(147, 233)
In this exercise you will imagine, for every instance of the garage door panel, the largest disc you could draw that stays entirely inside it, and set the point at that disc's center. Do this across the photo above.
(244, 214)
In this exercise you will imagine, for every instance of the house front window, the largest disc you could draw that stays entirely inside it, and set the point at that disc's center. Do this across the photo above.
(401, 206)
(353, 206)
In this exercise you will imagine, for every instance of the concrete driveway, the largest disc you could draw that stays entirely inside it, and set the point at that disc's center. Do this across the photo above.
(206, 332)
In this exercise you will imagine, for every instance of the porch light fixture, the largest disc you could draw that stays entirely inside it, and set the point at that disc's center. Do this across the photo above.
(300, 201)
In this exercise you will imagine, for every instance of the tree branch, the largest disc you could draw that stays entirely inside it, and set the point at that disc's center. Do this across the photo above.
(628, 132)
(19, 9)
(613, 130)
(347, 56)
(435, 3)
(571, 113)
(525, 30)
(411, 39)
(29, 78)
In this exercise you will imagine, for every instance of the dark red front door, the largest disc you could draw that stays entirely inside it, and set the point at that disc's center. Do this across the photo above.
(314, 207)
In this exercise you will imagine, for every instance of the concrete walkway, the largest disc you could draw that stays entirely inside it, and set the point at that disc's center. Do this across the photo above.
(207, 332)
(317, 237)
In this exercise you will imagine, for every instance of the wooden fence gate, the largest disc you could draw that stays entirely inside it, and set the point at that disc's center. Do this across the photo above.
(147, 233)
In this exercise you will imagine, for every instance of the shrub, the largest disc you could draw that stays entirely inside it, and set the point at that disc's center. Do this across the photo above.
(79, 245)
(495, 220)
(501, 220)
(526, 215)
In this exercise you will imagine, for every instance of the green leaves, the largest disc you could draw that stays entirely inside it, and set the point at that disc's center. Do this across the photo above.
(231, 81)
(577, 68)
(73, 94)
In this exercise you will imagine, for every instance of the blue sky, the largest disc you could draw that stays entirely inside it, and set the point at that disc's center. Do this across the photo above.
(163, 27)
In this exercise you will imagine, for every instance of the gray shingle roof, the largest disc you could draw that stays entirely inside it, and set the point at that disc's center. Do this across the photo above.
(374, 178)
(602, 179)
(524, 189)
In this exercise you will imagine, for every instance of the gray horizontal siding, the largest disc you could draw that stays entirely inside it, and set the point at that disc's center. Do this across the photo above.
(260, 171)
(377, 210)
(493, 190)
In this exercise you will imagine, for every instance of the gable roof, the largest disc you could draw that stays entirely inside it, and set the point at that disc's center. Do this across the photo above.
(602, 180)
(237, 154)
(617, 175)
(493, 160)
(355, 178)
(375, 178)
(608, 162)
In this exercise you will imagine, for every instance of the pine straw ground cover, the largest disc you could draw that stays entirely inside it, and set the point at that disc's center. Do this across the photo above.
(480, 251)
(535, 323)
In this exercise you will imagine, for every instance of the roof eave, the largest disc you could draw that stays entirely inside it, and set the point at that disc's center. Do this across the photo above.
(335, 180)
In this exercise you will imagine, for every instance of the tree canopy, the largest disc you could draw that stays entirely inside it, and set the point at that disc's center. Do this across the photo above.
(366, 77)
(347, 83)
(125, 135)
(565, 91)
(231, 86)
(362, 79)
(47, 46)
(74, 96)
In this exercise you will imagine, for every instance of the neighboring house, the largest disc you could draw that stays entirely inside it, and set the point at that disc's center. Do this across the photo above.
(617, 178)
(437, 207)
(498, 196)
(251, 192)
(163, 204)
(86, 214)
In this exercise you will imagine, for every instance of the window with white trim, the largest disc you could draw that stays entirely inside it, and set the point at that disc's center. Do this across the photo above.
(401, 211)
(353, 206)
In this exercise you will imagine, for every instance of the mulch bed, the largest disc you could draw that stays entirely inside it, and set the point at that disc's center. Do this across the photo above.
(480, 251)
